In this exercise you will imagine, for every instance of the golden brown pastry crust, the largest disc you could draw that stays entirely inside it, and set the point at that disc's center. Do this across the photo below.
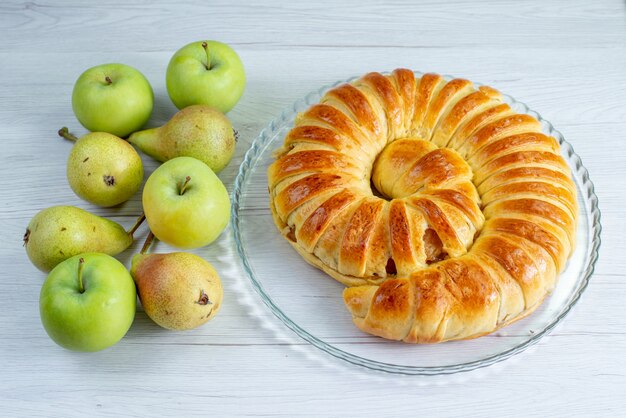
(471, 217)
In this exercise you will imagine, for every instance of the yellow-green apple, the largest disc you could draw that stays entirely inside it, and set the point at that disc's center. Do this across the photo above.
(113, 98)
(185, 203)
(205, 72)
(88, 302)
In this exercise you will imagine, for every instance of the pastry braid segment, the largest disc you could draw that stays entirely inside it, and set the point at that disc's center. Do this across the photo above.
(406, 229)
(314, 226)
(396, 160)
(436, 169)
(379, 88)
(555, 195)
(476, 300)
(523, 141)
(313, 161)
(388, 310)
(517, 262)
(353, 247)
(540, 232)
(428, 87)
(524, 207)
(520, 159)
(354, 103)
(348, 133)
(304, 189)
(406, 86)
(548, 175)
(446, 98)
(464, 110)
(454, 239)
(500, 128)
(462, 196)
(477, 216)
(474, 123)
(466, 220)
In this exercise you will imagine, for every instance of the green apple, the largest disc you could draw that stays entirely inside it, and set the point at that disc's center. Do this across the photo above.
(205, 72)
(88, 302)
(113, 98)
(185, 203)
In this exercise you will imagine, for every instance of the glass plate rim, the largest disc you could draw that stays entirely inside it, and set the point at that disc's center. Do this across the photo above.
(264, 138)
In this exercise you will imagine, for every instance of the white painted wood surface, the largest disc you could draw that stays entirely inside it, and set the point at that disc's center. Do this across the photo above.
(567, 59)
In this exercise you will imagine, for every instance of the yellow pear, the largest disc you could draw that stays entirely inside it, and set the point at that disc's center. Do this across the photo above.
(60, 232)
(198, 131)
(102, 168)
(178, 291)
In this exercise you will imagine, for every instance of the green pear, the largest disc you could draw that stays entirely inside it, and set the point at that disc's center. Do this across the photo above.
(178, 291)
(102, 168)
(198, 131)
(60, 232)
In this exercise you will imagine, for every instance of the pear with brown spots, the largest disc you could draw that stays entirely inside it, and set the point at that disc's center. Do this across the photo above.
(178, 291)
(197, 131)
(60, 232)
(102, 168)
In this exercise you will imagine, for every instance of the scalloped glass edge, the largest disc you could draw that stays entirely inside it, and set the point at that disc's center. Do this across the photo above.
(264, 139)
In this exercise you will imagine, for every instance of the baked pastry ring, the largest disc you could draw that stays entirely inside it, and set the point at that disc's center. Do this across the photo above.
(447, 214)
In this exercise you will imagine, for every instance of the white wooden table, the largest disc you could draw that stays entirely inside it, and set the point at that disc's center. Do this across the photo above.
(567, 59)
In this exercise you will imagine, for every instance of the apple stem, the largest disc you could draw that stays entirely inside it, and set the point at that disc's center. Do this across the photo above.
(108, 80)
(147, 243)
(184, 186)
(81, 264)
(138, 222)
(65, 133)
(208, 56)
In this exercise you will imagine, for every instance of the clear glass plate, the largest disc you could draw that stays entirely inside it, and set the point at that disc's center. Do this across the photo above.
(310, 303)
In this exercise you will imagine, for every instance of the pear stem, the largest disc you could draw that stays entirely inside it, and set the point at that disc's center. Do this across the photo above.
(65, 133)
(138, 222)
(147, 243)
(208, 56)
(81, 264)
(184, 186)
